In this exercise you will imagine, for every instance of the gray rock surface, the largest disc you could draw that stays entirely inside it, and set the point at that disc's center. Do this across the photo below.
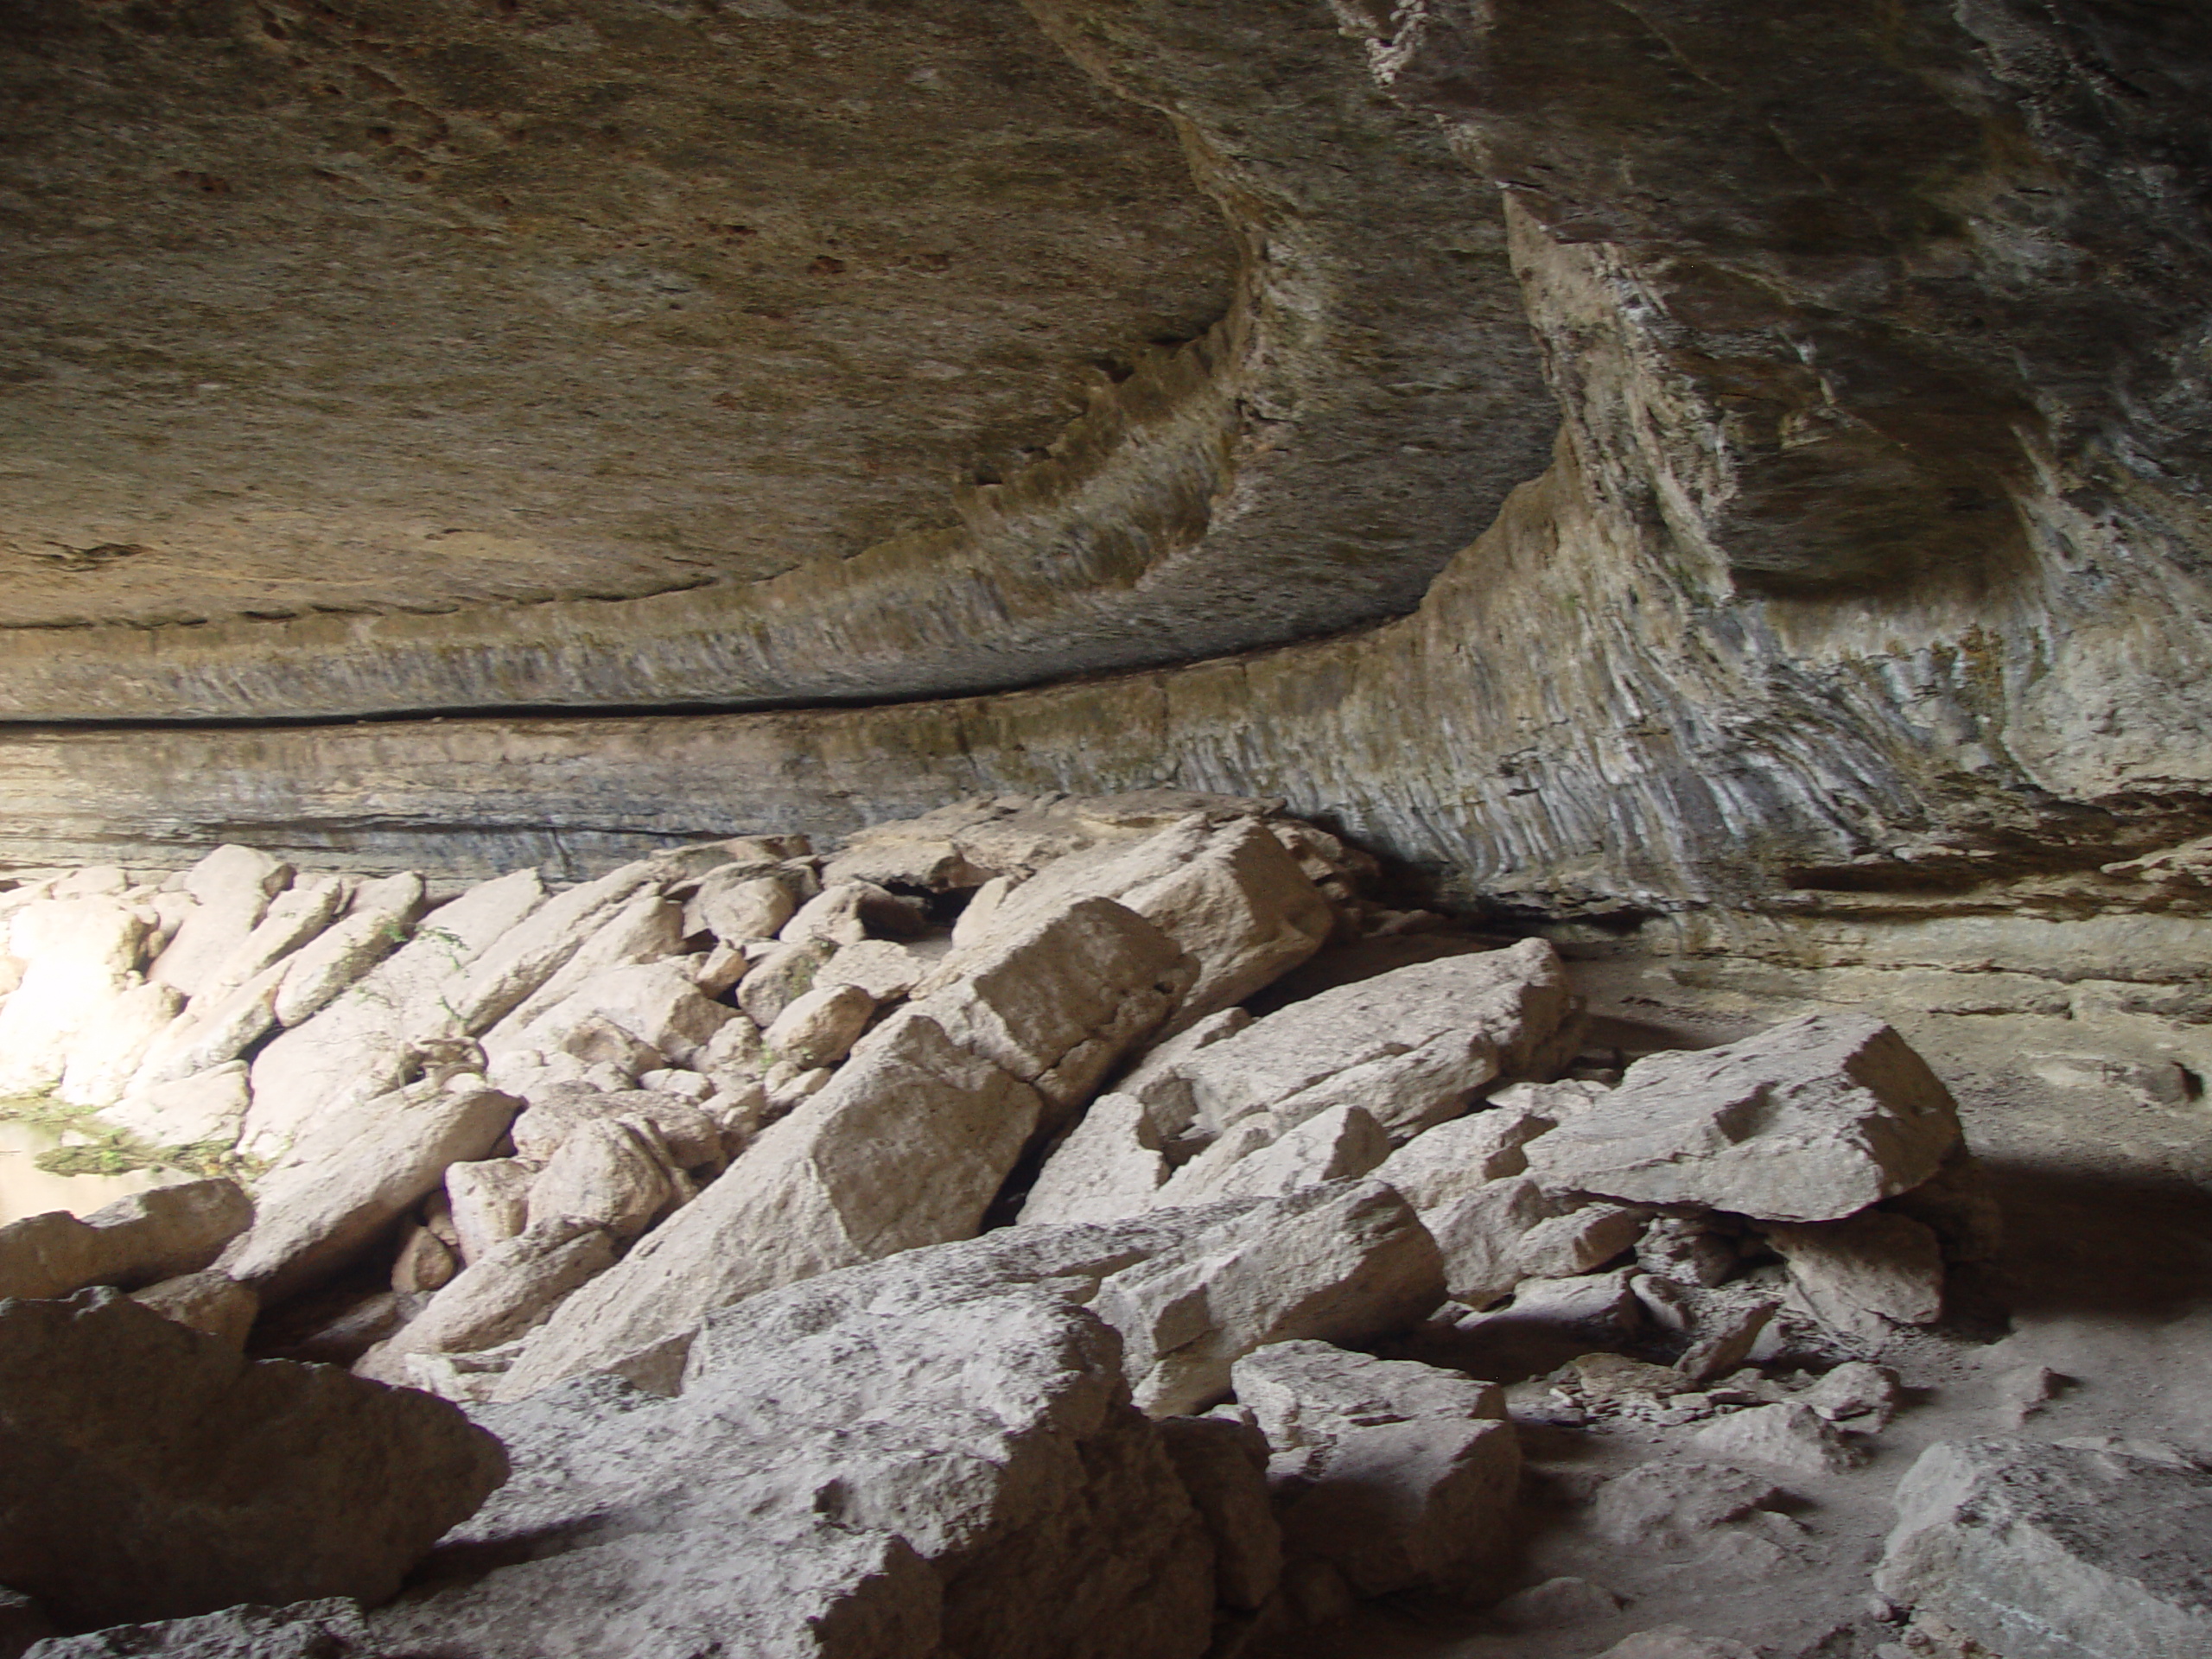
(153, 1473)
(1866, 1274)
(954, 1467)
(329, 1628)
(1060, 997)
(2051, 1551)
(1340, 1262)
(1108, 1166)
(1811, 1120)
(1308, 1393)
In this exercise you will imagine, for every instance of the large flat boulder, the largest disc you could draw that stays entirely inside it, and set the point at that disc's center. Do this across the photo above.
(1342, 1263)
(898, 1468)
(1411, 1047)
(907, 1146)
(1811, 1121)
(354, 1171)
(1058, 1001)
(134, 1242)
(2038, 1551)
(148, 1472)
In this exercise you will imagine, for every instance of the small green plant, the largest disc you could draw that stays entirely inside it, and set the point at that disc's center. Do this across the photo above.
(101, 1150)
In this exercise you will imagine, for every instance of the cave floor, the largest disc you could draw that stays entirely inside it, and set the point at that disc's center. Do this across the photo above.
(2105, 1277)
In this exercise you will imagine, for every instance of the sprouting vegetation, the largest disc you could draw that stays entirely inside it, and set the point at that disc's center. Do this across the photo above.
(93, 1147)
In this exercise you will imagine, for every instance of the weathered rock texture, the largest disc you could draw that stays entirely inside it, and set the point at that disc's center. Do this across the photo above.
(878, 1464)
(1870, 560)
(151, 1472)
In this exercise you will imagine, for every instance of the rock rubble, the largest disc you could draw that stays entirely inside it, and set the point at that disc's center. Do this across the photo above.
(691, 1184)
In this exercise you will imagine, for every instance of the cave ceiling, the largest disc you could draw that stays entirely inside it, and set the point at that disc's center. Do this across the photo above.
(450, 355)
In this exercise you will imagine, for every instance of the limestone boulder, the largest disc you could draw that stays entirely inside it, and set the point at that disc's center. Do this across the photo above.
(154, 1472)
(1442, 1165)
(1340, 1262)
(377, 922)
(488, 1200)
(1156, 1078)
(681, 1125)
(780, 976)
(1866, 1274)
(646, 928)
(885, 968)
(741, 901)
(522, 958)
(2038, 1551)
(210, 1303)
(1340, 1143)
(1812, 1121)
(1790, 1435)
(820, 1027)
(611, 1173)
(1306, 1393)
(371, 1038)
(506, 1293)
(1675, 1506)
(1060, 999)
(1229, 894)
(232, 886)
(352, 1174)
(955, 1469)
(296, 915)
(1109, 1166)
(215, 1030)
(137, 1241)
(1411, 1047)
(656, 1004)
(907, 1146)
(1479, 1237)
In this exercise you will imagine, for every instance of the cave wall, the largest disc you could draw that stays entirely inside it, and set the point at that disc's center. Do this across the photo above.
(1867, 584)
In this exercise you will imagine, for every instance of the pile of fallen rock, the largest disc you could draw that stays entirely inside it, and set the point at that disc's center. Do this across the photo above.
(921, 1250)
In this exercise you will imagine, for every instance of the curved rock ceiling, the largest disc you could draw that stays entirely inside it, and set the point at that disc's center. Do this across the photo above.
(449, 356)
(1618, 456)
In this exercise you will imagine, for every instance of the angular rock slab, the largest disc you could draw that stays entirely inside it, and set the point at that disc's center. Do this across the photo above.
(2054, 1552)
(330, 1628)
(1811, 1121)
(352, 1174)
(134, 1242)
(1341, 1262)
(906, 1147)
(1058, 1001)
(147, 1471)
(1410, 1047)
(846, 1474)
